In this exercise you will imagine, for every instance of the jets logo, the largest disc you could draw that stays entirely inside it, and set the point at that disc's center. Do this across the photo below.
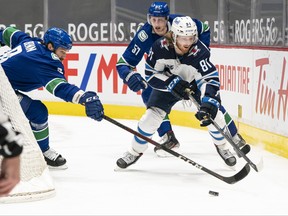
(194, 51)
(142, 36)
(164, 44)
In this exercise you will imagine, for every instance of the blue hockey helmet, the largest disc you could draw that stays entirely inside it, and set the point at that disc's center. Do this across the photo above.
(58, 37)
(159, 9)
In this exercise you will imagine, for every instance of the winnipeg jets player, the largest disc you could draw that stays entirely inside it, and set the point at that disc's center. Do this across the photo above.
(33, 63)
(158, 23)
(175, 62)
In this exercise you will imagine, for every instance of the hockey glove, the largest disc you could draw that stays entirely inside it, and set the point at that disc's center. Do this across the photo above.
(10, 141)
(93, 106)
(135, 81)
(208, 110)
(179, 87)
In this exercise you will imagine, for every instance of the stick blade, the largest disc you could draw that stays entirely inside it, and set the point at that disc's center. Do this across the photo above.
(238, 176)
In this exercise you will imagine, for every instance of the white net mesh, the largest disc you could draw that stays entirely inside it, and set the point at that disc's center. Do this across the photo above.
(36, 182)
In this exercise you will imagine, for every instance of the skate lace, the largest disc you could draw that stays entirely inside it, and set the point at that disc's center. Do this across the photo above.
(238, 139)
(164, 139)
(225, 153)
(128, 157)
(51, 154)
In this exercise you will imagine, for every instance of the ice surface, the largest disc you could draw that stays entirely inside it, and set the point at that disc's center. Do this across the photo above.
(152, 186)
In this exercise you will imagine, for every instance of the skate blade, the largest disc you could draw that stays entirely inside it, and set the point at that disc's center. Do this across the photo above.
(63, 167)
(117, 169)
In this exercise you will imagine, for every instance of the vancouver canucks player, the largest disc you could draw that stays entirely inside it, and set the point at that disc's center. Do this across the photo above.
(33, 63)
(158, 23)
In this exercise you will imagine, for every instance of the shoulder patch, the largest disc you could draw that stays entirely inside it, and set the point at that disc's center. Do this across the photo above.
(54, 56)
(142, 36)
(165, 44)
(194, 51)
(60, 70)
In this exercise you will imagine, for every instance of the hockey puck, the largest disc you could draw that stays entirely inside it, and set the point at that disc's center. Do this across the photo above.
(213, 193)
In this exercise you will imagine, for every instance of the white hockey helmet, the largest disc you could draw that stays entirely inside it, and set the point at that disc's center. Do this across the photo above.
(183, 26)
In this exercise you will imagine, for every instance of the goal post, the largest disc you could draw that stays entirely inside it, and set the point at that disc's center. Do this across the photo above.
(36, 182)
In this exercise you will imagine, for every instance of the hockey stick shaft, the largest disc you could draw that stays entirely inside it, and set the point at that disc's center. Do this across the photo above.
(227, 137)
(230, 180)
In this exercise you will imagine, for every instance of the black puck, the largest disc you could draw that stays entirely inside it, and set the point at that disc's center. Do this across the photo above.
(213, 193)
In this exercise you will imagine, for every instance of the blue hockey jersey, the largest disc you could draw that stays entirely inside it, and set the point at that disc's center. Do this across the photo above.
(30, 65)
(143, 41)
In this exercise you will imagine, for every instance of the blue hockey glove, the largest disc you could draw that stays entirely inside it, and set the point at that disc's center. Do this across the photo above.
(93, 106)
(135, 81)
(208, 110)
(179, 87)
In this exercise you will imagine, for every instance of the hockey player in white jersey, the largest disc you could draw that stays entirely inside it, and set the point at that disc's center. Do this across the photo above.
(178, 62)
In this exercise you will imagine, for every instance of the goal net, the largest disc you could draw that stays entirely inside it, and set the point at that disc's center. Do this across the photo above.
(36, 182)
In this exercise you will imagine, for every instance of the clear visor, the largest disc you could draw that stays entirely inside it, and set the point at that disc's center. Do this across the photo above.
(186, 39)
(156, 20)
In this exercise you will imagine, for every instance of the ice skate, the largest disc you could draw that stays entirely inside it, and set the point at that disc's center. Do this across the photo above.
(169, 141)
(241, 143)
(128, 159)
(226, 155)
(54, 160)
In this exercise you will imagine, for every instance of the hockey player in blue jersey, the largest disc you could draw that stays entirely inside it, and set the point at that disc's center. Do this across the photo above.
(33, 63)
(179, 62)
(158, 23)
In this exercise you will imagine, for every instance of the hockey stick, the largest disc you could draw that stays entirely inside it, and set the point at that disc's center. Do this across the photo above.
(230, 180)
(227, 137)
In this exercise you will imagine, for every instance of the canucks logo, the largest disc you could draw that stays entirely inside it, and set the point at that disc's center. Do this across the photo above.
(142, 36)
(54, 56)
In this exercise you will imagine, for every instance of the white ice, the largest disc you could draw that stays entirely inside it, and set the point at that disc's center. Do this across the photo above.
(152, 186)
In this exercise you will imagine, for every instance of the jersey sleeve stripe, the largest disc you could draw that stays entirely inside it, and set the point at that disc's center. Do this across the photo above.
(52, 85)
